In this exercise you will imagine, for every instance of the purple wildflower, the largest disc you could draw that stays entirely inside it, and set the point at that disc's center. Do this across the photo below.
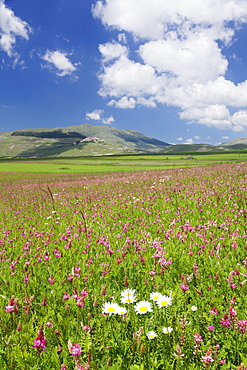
(40, 341)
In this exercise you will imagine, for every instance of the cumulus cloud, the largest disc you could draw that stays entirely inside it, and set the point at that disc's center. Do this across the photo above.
(177, 58)
(60, 61)
(99, 115)
(122, 38)
(131, 103)
(11, 27)
(124, 103)
(189, 141)
(112, 50)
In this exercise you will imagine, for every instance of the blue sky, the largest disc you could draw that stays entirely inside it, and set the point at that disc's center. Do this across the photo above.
(176, 71)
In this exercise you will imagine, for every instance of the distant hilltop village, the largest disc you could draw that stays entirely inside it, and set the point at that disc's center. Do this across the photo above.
(92, 139)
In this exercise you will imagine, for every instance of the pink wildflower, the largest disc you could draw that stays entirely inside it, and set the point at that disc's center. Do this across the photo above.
(12, 306)
(84, 292)
(223, 361)
(207, 359)
(211, 328)
(213, 311)
(75, 349)
(225, 322)
(197, 338)
(86, 328)
(242, 325)
(80, 302)
(40, 341)
(184, 287)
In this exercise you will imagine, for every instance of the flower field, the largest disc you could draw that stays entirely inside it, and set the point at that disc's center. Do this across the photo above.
(130, 271)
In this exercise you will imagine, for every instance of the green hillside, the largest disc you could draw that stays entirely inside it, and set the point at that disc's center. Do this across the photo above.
(95, 140)
(70, 141)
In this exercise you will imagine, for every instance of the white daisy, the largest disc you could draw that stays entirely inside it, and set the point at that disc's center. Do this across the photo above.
(155, 296)
(151, 335)
(128, 292)
(143, 307)
(164, 301)
(167, 330)
(130, 299)
(110, 307)
(193, 308)
(128, 296)
(122, 311)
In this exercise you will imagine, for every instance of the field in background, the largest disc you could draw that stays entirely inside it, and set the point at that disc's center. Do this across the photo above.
(118, 163)
(132, 271)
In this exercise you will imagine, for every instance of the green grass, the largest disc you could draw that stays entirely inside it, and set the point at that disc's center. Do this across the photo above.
(71, 244)
(117, 163)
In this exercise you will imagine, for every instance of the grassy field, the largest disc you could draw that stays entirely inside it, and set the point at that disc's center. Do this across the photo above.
(124, 271)
(117, 163)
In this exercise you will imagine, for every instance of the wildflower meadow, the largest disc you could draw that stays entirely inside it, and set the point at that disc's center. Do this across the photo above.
(132, 271)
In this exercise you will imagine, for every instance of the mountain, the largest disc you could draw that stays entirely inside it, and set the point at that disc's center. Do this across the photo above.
(91, 140)
(76, 140)
(187, 148)
(240, 140)
(190, 148)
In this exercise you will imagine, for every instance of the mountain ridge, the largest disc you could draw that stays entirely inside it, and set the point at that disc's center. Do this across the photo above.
(68, 141)
(95, 140)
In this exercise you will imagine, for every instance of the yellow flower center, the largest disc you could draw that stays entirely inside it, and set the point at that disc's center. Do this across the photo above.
(156, 297)
(143, 308)
(111, 309)
(163, 303)
(128, 300)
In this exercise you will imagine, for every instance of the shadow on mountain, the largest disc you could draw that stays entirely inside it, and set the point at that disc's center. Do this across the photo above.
(49, 150)
(141, 139)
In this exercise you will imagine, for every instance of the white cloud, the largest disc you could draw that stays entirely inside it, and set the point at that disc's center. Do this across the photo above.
(131, 103)
(126, 77)
(98, 115)
(146, 102)
(197, 137)
(122, 38)
(210, 111)
(108, 120)
(151, 19)
(196, 58)
(180, 138)
(225, 137)
(11, 27)
(189, 141)
(123, 103)
(95, 115)
(181, 62)
(112, 50)
(240, 118)
(60, 61)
